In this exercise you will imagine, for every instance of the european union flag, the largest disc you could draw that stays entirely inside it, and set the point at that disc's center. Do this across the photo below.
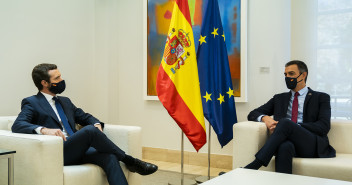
(214, 75)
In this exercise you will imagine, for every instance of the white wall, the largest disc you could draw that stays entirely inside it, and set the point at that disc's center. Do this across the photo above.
(75, 35)
(304, 35)
(98, 47)
(33, 32)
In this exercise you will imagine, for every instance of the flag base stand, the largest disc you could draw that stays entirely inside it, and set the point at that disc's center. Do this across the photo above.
(182, 182)
(202, 179)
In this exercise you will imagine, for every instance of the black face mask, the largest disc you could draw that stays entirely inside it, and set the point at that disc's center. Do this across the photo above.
(291, 83)
(57, 88)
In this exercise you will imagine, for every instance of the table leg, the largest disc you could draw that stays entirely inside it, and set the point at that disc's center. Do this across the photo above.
(11, 170)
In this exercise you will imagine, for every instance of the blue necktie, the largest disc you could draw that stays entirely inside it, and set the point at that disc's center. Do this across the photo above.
(62, 115)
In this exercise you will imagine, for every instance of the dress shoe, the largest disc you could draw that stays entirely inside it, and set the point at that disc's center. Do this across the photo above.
(143, 168)
(222, 173)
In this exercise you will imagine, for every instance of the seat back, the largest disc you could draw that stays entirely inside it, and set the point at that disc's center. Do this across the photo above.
(6, 122)
(340, 136)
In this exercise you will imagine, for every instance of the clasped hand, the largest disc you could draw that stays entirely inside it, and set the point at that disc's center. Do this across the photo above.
(270, 123)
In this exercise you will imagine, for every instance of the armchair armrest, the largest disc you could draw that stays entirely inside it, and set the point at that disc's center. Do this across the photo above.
(38, 158)
(128, 138)
(248, 138)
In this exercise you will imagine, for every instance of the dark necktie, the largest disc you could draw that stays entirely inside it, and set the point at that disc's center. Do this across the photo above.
(295, 108)
(63, 118)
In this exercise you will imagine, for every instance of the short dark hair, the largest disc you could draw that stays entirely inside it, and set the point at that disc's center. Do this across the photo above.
(41, 72)
(302, 67)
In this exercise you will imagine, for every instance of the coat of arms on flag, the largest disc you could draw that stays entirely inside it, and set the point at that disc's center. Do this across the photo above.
(176, 43)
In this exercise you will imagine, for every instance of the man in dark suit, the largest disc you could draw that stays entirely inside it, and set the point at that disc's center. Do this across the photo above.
(49, 114)
(300, 123)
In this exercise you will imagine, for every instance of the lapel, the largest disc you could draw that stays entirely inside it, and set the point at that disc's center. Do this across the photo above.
(47, 107)
(287, 97)
(309, 95)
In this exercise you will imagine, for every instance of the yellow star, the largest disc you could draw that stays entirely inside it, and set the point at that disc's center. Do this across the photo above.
(202, 39)
(223, 35)
(230, 92)
(207, 96)
(215, 32)
(221, 98)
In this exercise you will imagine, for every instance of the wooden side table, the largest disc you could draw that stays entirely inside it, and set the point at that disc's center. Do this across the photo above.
(9, 154)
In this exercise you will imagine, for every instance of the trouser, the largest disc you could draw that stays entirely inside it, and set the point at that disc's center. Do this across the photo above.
(287, 141)
(90, 145)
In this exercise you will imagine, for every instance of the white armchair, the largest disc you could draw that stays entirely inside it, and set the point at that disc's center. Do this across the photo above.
(250, 136)
(39, 158)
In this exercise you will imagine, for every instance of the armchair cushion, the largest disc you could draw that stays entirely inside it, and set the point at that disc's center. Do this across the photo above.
(78, 174)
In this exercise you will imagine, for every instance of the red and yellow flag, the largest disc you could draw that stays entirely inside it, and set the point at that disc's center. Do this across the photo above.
(177, 82)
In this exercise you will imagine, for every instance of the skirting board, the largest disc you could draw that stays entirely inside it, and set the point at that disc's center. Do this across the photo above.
(190, 158)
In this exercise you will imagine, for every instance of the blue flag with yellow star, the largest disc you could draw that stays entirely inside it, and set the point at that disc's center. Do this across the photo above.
(215, 77)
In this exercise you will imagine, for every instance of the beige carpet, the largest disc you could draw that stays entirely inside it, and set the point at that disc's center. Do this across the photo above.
(162, 177)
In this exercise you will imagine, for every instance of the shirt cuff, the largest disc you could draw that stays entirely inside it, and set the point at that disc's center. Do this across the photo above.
(38, 130)
(259, 119)
(97, 124)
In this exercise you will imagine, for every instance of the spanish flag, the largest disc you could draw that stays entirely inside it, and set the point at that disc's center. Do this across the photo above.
(177, 81)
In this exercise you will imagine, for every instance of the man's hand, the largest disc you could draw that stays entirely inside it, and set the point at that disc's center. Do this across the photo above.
(270, 123)
(99, 127)
(53, 132)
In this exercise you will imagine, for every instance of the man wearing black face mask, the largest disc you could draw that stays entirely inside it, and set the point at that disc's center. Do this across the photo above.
(49, 114)
(300, 123)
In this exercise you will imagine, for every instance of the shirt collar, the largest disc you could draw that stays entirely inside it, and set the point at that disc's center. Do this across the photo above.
(301, 92)
(48, 97)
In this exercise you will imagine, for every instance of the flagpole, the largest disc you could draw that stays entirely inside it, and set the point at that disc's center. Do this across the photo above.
(182, 152)
(202, 179)
(182, 181)
(209, 151)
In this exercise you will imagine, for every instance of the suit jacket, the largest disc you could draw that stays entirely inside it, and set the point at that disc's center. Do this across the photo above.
(316, 116)
(36, 111)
